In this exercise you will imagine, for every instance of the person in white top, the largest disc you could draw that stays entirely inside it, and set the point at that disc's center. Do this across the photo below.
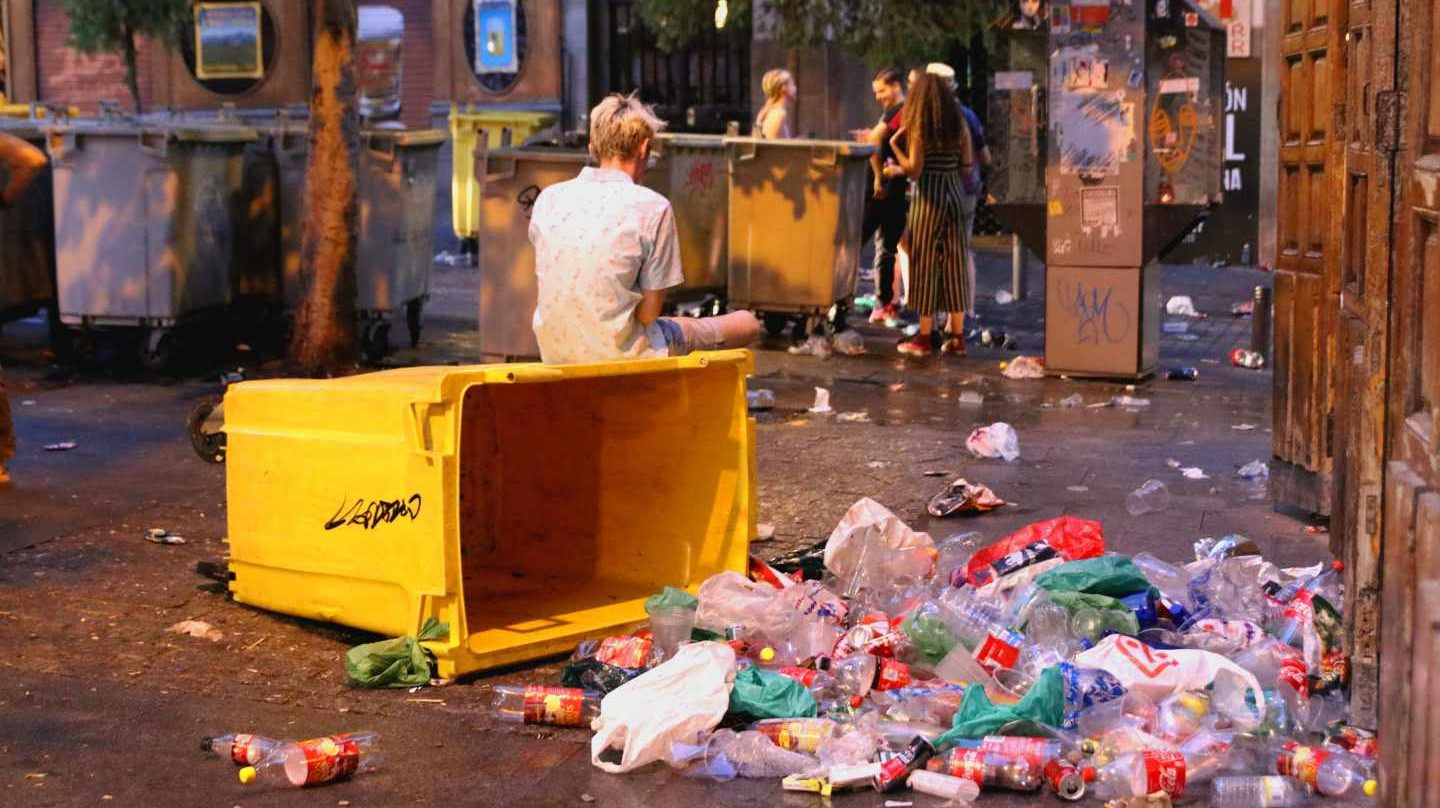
(606, 250)
(773, 121)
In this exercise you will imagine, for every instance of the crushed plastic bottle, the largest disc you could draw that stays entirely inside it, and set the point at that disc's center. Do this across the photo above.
(1329, 772)
(1151, 497)
(1255, 791)
(319, 760)
(542, 704)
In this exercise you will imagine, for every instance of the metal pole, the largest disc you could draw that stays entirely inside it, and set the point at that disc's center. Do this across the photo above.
(1017, 267)
(1260, 323)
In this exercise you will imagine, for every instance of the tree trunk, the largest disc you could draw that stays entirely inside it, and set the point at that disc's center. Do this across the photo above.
(324, 340)
(132, 78)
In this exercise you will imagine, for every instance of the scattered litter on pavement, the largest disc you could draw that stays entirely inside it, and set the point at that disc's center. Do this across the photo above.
(1255, 469)
(1187, 373)
(1242, 358)
(1152, 497)
(764, 532)
(1243, 309)
(1073, 400)
(970, 398)
(992, 338)
(996, 440)
(1194, 473)
(762, 399)
(849, 343)
(822, 401)
(198, 629)
(1176, 327)
(860, 417)
(876, 464)
(29, 402)
(1130, 401)
(1079, 489)
(1024, 367)
(963, 496)
(63, 446)
(586, 798)
(397, 662)
(1173, 463)
(1181, 306)
(1243, 427)
(160, 536)
(898, 803)
(936, 473)
(814, 345)
(1004, 297)
(445, 258)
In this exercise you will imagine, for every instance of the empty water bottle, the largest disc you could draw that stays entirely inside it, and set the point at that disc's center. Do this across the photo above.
(320, 760)
(1255, 792)
(542, 704)
(1152, 497)
(242, 748)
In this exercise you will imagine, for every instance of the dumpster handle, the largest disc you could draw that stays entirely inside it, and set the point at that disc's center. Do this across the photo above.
(506, 173)
(745, 151)
(156, 144)
(60, 144)
(387, 151)
(824, 155)
(419, 411)
(289, 141)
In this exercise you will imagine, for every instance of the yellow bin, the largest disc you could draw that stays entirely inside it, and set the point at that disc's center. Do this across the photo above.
(529, 506)
(466, 127)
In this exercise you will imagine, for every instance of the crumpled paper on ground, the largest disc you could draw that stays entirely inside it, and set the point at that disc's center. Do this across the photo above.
(963, 496)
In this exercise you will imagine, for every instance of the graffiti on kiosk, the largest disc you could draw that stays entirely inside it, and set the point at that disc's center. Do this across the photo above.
(370, 514)
(1097, 318)
(701, 177)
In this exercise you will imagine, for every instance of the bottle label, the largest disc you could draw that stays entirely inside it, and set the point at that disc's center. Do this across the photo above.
(625, 651)
(1301, 608)
(967, 764)
(561, 706)
(805, 676)
(330, 758)
(1035, 750)
(243, 750)
(999, 650)
(1164, 771)
(1302, 763)
(1023, 557)
(891, 675)
(1294, 673)
(797, 736)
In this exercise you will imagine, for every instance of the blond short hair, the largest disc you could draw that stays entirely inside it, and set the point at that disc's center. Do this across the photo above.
(620, 124)
(944, 72)
(773, 83)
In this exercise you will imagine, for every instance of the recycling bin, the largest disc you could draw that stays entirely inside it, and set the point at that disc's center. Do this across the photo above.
(27, 238)
(513, 180)
(689, 170)
(395, 222)
(500, 129)
(796, 210)
(381, 500)
(145, 219)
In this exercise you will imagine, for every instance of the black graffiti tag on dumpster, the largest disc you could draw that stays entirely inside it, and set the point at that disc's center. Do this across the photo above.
(372, 513)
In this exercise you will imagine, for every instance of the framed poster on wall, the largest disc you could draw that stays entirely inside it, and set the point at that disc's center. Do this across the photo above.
(495, 46)
(227, 41)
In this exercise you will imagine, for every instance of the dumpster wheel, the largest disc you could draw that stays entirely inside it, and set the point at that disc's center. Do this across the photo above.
(206, 427)
(775, 323)
(157, 349)
(375, 340)
(413, 311)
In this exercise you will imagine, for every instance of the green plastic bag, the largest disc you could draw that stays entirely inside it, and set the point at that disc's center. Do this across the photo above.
(764, 694)
(399, 662)
(1074, 601)
(932, 640)
(977, 717)
(1113, 575)
(670, 596)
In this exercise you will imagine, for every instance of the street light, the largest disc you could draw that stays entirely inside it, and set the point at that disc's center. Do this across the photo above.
(722, 13)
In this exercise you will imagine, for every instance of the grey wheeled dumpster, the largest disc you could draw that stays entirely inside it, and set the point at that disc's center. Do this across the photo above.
(796, 211)
(395, 221)
(513, 179)
(689, 170)
(145, 219)
(27, 237)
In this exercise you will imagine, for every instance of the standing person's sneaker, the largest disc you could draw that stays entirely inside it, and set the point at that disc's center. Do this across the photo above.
(880, 314)
(4, 476)
(953, 344)
(918, 345)
(894, 316)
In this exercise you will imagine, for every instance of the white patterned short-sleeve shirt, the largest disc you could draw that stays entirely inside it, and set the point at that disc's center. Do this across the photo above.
(600, 242)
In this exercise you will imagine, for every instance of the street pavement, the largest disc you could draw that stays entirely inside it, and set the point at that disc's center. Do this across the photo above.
(98, 699)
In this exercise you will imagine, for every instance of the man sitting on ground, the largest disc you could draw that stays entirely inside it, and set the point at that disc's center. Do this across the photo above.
(606, 250)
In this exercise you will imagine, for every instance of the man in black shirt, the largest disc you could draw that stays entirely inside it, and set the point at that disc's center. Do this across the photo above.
(886, 208)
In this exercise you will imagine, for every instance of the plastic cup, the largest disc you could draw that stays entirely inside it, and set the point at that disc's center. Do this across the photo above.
(670, 626)
(1013, 682)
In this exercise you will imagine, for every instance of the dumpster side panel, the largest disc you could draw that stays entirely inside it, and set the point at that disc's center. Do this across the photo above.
(500, 129)
(691, 174)
(396, 239)
(100, 228)
(26, 247)
(333, 514)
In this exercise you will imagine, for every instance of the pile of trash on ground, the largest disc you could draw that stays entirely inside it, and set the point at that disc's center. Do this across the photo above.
(880, 660)
(877, 659)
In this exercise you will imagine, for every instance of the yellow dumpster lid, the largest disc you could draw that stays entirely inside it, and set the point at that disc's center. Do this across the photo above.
(406, 137)
(543, 155)
(848, 148)
(189, 131)
(690, 141)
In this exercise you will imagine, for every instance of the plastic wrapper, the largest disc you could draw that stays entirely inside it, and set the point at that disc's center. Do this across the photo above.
(1156, 674)
(1067, 537)
(731, 599)
(997, 440)
(1109, 574)
(674, 702)
(871, 548)
(964, 497)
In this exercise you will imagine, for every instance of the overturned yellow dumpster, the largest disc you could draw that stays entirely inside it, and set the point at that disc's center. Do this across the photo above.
(528, 506)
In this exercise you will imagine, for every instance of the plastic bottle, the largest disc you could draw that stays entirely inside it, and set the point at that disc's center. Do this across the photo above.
(796, 734)
(968, 617)
(1255, 792)
(1332, 773)
(731, 754)
(319, 760)
(1152, 497)
(242, 748)
(970, 761)
(952, 789)
(897, 770)
(1137, 774)
(1172, 581)
(1300, 608)
(542, 704)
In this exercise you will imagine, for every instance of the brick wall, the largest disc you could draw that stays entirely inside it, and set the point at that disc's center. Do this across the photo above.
(68, 77)
(417, 68)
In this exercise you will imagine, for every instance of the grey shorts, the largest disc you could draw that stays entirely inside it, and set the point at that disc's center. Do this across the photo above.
(681, 335)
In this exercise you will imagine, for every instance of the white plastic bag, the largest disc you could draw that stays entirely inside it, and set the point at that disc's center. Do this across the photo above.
(1025, 367)
(729, 598)
(675, 701)
(997, 440)
(872, 547)
(1157, 674)
(1181, 306)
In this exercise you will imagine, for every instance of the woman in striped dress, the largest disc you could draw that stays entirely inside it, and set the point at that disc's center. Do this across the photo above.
(933, 148)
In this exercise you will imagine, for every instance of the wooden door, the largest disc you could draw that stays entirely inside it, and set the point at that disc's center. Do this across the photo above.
(1307, 264)
(1410, 553)
(1365, 126)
